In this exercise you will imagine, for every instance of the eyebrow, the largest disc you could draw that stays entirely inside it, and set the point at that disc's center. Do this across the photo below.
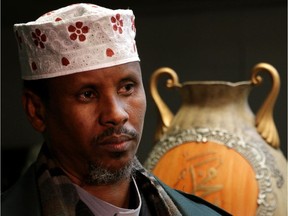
(132, 75)
(93, 85)
(129, 78)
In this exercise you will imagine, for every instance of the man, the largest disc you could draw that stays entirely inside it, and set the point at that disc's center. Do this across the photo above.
(83, 92)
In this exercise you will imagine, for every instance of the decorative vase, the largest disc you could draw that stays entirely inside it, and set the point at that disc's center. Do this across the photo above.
(216, 148)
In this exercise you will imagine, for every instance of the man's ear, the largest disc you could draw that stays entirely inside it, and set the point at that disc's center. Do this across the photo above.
(35, 110)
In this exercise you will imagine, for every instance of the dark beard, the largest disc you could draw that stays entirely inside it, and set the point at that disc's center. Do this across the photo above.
(101, 175)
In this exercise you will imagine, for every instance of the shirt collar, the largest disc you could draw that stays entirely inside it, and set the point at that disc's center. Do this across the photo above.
(100, 207)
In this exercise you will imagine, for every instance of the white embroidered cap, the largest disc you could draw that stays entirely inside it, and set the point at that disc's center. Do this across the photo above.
(76, 38)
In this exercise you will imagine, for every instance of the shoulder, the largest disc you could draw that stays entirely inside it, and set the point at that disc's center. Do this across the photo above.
(192, 205)
(22, 198)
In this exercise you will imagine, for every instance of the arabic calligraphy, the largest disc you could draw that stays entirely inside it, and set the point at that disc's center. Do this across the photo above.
(202, 169)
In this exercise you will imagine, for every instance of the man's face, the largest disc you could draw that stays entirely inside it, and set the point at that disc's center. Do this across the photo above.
(96, 117)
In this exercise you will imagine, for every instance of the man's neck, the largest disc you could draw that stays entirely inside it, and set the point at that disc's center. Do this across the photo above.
(117, 194)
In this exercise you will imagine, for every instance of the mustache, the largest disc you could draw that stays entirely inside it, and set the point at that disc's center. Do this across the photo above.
(133, 134)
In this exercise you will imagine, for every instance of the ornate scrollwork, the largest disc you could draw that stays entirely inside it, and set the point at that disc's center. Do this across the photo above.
(256, 153)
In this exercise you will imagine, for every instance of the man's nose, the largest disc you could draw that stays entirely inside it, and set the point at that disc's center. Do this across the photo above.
(113, 113)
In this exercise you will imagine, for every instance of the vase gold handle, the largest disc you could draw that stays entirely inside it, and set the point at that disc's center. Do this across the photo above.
(166, 115)
(264, 121)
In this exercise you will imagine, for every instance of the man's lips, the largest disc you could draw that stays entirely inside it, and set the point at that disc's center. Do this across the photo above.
(115, 142)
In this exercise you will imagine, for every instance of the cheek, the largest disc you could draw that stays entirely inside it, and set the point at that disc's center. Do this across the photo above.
(70, 125)
(71, 136)
(137, 111)
(81, 123)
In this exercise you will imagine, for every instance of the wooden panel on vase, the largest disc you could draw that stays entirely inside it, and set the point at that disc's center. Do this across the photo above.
(213, 172)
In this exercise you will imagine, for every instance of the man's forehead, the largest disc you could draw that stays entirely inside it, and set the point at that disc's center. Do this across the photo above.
(117, 72)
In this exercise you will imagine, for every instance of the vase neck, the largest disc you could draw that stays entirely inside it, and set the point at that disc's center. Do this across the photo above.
(214, 94)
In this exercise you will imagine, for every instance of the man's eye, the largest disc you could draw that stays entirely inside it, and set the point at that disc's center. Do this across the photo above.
(87, 95)
(127, 89)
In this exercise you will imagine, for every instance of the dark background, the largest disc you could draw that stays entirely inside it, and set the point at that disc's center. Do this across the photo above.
(200, 39)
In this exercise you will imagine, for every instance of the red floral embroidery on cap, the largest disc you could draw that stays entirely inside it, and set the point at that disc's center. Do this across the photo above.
(78, 31)
(48, 13)
(39, 38)
(58, 19)
(19, 39)
(133, 23)
(65, 61)
(117, 23)
(109, 52)
(34, 66)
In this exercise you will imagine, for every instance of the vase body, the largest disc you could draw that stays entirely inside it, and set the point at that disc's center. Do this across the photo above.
(212, 149)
